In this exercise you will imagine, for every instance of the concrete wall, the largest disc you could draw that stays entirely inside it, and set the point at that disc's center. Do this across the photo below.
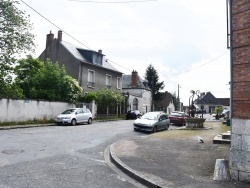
(25, 110)
(240, 104)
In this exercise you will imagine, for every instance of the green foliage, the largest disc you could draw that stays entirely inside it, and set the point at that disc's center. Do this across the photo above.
(108, 97)
(88, 97)
(15, 36)
(218, 109)
(46, 81)
(153, 81)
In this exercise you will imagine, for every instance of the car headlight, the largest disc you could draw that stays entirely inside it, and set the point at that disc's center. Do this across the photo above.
(66, 118)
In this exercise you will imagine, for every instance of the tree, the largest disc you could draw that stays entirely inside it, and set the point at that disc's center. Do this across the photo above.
(176, 100)
(15, 36)
(108, 98)
(153, 82)
(46, 81)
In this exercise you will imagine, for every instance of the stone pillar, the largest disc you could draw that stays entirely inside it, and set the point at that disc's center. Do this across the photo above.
(239, 162)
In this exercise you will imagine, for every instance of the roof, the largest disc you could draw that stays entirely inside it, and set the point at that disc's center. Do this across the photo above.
(75, 51)
(224, 101)
(165, 99)
(126, 82)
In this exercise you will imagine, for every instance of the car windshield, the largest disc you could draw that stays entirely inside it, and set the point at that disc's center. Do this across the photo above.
(69, 111)
(150, 116)
(176, 114)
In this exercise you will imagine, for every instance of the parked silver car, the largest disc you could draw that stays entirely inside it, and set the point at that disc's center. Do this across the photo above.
(74, 116)
(152, 122)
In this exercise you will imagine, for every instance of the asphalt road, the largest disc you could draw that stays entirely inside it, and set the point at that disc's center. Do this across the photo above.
(62, 156)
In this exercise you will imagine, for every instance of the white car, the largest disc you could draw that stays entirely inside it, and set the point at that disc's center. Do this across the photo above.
(74, 116)
(152, 122)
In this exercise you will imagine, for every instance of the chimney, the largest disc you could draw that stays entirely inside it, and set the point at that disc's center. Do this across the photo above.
(134, 78)
(50, 38)
(100, 51)
(59, 37)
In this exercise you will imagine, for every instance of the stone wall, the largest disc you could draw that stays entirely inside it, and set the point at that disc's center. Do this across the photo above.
(240, 85)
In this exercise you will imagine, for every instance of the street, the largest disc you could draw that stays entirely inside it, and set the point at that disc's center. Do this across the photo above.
(62, 156)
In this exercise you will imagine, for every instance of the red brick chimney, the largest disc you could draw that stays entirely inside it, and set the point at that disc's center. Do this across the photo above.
(50, 38)
(134, 78)
(59, 36)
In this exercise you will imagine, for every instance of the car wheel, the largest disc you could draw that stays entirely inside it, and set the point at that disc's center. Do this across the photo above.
(155, 129)
(90, 121)
(73, 122)
(167, 127)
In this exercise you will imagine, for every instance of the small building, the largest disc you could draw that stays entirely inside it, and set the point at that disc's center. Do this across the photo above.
(138, 94)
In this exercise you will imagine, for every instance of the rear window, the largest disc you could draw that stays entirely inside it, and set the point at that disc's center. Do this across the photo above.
(176, 114)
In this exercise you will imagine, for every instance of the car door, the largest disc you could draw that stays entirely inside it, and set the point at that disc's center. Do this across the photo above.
(162, 121)
(85, 115)
(79, 115)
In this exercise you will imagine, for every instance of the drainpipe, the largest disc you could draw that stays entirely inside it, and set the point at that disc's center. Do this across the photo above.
(231, 61)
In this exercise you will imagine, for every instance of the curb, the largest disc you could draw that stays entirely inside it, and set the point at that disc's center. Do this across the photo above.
(129, 171)
(24, 126)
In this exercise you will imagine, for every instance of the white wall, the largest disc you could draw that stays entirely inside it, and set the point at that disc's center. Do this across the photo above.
(25, 110)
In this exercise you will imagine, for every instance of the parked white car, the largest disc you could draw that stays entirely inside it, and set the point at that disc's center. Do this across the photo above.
(74, 116)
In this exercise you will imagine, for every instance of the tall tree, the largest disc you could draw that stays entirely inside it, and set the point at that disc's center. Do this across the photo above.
(15, 36)
(153, 82)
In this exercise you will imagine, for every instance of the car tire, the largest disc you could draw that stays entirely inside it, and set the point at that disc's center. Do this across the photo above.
(90, 121)
(167, 127)
(155, 129)
(73, 122)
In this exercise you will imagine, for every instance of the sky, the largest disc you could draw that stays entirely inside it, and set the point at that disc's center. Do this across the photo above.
(184, 40)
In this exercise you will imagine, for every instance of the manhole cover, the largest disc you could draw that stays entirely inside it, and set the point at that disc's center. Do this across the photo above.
(12, 151)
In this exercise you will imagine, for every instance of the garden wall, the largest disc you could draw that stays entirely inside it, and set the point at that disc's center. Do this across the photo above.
(19, 110)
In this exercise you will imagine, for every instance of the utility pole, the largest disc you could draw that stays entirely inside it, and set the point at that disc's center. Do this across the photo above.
(179, 103)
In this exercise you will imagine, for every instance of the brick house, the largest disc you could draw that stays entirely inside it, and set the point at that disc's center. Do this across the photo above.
(90, 68)
(138, 94)
(239, 162)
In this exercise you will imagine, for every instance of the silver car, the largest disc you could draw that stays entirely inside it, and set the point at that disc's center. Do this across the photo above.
(152, 122)
(74, 116)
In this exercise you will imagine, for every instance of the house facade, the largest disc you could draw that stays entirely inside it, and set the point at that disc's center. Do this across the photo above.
(138, 94)
(165, 103)
(208, 102)
(90, 68)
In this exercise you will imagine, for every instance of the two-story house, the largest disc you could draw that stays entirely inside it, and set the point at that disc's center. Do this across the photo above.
(139, 95)
(90, 68)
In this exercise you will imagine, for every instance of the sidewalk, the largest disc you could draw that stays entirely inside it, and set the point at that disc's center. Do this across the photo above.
(174, 158)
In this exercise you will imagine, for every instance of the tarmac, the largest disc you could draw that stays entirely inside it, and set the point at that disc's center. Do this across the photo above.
(176, 157)
(172, 158)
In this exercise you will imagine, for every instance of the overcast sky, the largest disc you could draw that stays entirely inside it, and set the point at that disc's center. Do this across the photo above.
(184, 40)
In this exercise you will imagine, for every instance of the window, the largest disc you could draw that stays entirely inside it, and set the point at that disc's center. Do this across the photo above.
(135, 104)
(108, 81)
(91, 78)
(118, 83)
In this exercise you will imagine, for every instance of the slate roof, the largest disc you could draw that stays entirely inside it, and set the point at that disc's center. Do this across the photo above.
(126, 82)
(75, 51)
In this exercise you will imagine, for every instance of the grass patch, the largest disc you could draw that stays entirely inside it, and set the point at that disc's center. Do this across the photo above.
(216, 128)
(30, 122)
